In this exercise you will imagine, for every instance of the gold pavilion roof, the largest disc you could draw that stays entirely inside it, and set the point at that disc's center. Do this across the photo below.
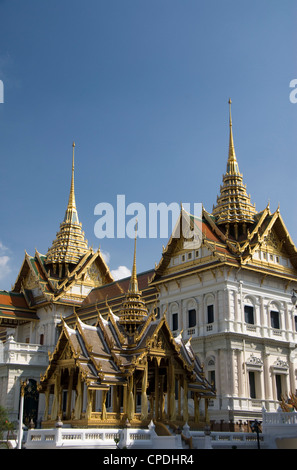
(106, 356)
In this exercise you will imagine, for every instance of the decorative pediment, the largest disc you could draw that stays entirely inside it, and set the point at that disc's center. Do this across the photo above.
(158, 343)
(30, 281)
(254, 362)
(280, 364)
(67, 353)
(270, 241)
(273, 243)
(94, 275)
(194, 240)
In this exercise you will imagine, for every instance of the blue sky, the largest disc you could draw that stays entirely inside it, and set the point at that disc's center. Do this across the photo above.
(142, 87)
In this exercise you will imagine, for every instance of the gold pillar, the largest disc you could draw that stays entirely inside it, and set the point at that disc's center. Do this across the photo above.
(55, 404)
(185, 403)
(156, 390)
(131, 404)
(116, 399)
(103, 412)
(179, 395)
(69, 395)
(171, 392)
(125, 399)
(144, 403)
(89, 403)
(168, 390)
(161, 398)
(60, 397)
(47, 395)
(78, 400)
(196, 408)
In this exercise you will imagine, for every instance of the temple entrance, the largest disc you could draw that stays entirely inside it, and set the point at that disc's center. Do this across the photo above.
(31, 398)
(157, 390)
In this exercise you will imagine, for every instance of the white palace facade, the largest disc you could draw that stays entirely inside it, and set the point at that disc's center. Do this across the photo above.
(228, 291)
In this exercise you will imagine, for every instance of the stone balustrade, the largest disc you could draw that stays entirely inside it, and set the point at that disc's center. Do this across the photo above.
(12, 352)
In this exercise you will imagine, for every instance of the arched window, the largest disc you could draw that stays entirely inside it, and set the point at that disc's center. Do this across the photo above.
(191, 313)
(173, 321)
(275, 316)
(274, 319)
(209, 303)
(249, 311)
(174, 318)
(191, 318)
(211, 371)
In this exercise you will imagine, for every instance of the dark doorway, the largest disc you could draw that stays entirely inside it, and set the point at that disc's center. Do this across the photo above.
(31, 399)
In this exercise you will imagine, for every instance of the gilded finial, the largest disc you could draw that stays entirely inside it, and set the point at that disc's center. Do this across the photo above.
(71, 212)
(233, 204)
(71, 252)
(232, 166)
(133, 283)
(71, 202)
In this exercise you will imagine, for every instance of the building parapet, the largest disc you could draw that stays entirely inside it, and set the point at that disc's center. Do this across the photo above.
(12, 352)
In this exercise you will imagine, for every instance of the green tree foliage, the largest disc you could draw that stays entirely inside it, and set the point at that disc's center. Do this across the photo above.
(5, 424)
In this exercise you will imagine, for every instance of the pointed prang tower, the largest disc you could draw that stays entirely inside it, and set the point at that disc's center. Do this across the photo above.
(233, 211)
(134, 311)
(70, 244)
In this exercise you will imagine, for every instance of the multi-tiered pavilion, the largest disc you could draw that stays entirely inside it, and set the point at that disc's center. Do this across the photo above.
(129, 364)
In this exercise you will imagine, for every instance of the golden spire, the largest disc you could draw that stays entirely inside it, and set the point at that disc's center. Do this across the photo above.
(233, 203)
(133, 288)
(232, 165)
(133, 312)
(71, 212)
(71, 202)
(70, 243)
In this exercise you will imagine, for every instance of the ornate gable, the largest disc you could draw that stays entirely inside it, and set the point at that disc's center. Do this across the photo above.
(270, 245)
(205, 244)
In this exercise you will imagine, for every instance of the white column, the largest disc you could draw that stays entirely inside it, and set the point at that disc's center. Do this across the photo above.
(200, 314)
(240, 372)
(267, 379)
(20, 433)
(287, 322)
(292, 373)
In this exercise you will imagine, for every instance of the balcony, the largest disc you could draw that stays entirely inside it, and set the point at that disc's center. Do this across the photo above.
(12, 352)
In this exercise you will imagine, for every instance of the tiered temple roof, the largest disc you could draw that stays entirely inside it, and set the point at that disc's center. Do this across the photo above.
(68, 263)
(234, 234)
(233, 204)
(70, 244)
